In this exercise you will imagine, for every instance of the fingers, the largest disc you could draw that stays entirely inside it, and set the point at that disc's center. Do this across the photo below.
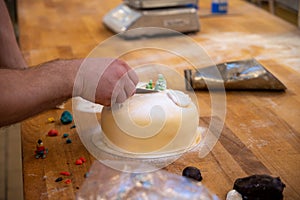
(121, 97)
(117, 82)
(124, 89)
(129, 87)
(130, 72)
(133, 77)
(128, 82)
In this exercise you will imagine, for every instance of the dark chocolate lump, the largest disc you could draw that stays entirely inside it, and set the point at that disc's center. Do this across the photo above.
(193, 173)
(260, 187)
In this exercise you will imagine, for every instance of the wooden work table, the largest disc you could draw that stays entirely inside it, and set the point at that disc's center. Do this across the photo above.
(261, 134)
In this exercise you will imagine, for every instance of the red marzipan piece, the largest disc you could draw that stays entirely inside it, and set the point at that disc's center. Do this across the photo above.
(65, 173)
(78, 162)
(68, 181)
(53, 132)
(82, 159)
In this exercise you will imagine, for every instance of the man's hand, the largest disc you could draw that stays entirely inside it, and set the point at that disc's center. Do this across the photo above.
(105, 81)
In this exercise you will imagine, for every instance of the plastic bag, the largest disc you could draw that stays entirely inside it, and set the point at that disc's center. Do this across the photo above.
(104, 183)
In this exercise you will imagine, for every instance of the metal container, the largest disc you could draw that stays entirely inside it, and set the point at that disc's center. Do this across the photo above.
(182, 19)
(146, 4)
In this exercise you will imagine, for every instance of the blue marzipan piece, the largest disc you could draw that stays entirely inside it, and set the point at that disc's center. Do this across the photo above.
(66, 117)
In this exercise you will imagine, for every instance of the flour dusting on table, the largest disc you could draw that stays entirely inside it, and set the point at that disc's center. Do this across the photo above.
(285, 48)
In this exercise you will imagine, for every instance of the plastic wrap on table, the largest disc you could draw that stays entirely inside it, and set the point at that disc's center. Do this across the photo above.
(106, 183)
(236, 75)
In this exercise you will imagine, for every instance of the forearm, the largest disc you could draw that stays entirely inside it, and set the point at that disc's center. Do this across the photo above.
(33, 90)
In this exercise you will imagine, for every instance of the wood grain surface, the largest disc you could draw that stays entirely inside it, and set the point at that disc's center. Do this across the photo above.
(261, 134)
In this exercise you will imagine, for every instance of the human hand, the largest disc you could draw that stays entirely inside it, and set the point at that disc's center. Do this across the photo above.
(105, 81)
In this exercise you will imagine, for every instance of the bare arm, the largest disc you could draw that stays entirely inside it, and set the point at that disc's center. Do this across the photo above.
(25, 93)
(10, 55)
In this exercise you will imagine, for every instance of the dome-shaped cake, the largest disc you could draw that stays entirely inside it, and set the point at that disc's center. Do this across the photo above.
(160, 122)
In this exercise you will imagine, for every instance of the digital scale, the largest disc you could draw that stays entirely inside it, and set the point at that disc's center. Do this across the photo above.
(177, 15)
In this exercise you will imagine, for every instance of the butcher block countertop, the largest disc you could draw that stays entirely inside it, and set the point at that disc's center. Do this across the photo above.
(261, 133)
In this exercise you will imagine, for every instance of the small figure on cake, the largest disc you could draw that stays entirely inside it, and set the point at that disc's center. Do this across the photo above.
(40, 151)
(161, 83)
(149, 85)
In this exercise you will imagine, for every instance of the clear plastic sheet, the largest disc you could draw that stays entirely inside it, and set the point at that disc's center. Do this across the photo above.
(104, 183)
